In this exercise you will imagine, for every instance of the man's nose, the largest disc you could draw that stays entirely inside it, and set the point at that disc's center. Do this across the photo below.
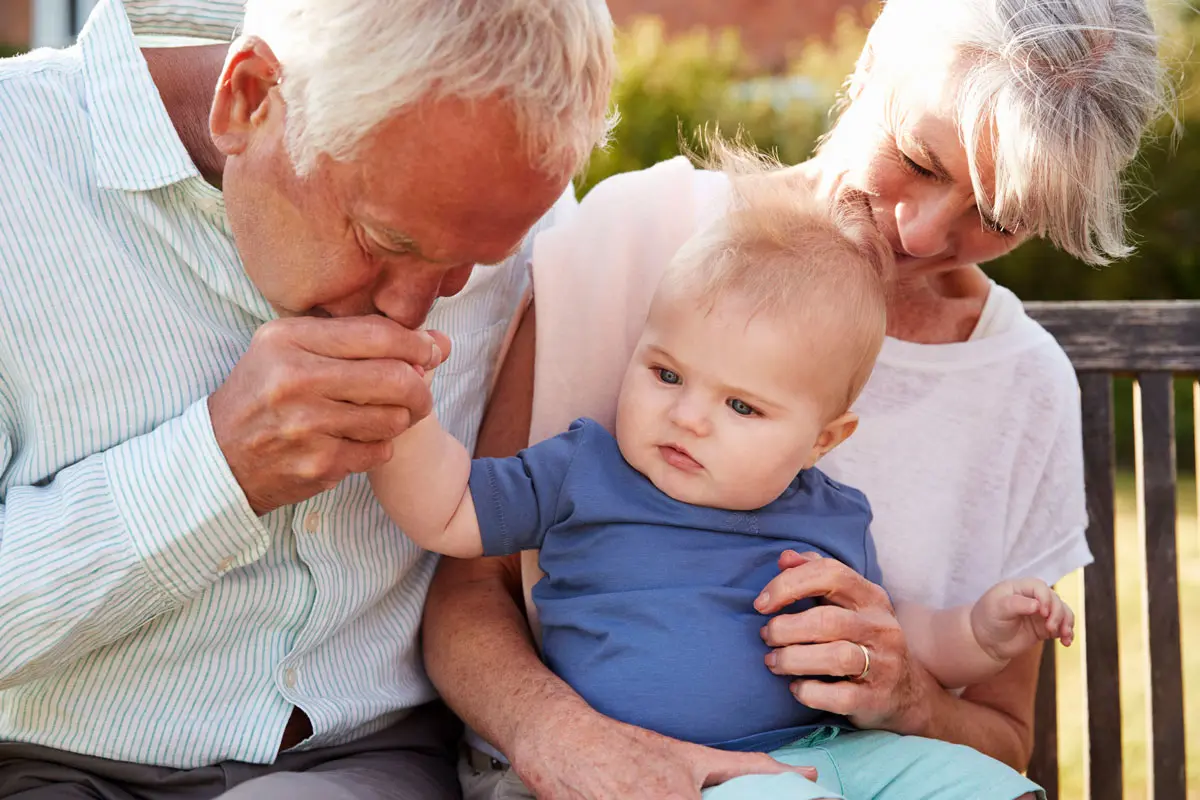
(454, 280)
(691, 414)
(407, 296)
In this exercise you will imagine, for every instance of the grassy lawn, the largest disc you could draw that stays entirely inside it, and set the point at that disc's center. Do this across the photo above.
(1131, 610)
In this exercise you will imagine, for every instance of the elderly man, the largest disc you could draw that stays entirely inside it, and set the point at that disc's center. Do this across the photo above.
(211, 315)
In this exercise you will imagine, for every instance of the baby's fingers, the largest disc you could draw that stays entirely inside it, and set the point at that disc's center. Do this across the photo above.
(1045, 596)
(1016, 605)
(1066, 628)
(1060, 623)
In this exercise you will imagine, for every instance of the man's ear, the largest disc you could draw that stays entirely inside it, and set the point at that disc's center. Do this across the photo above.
(832, 435)
(242, 101)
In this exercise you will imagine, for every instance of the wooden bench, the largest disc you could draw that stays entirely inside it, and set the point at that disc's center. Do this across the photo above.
(1152, 342)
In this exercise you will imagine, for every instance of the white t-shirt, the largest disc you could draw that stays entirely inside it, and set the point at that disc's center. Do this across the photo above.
(971, 456)
(970, 453)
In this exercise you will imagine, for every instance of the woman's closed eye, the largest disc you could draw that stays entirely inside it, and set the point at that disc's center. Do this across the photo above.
(914, 167)
(742, 408)
(668, 376)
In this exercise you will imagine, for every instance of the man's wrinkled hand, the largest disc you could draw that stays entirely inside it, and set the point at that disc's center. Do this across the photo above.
(314, 400)
(583, 755)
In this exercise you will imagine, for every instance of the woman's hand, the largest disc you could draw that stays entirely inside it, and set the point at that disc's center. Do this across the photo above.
(893, 694)
(576, 753)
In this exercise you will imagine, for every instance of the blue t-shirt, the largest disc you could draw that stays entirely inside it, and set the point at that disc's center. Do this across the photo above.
(647, 607)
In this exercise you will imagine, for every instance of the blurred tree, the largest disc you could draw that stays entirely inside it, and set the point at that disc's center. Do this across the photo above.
(679, 85)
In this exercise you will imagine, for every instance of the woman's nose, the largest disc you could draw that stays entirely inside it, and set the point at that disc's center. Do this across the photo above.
(925, 225)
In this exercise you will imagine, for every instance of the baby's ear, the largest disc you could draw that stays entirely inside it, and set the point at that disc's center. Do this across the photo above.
(833, 434)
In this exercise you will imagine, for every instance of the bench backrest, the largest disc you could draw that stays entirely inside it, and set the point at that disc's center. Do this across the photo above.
(1152, 342)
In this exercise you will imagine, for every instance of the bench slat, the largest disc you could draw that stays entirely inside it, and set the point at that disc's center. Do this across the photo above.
(1154, 436)
(1125, 337)
(1043, 766)
(1102, 652)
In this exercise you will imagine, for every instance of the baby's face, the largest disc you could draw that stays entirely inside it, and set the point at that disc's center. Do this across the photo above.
(719, 407)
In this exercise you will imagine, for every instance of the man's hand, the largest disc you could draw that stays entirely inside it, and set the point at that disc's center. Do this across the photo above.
(314, 400)
(579, 754)
(1014, 616)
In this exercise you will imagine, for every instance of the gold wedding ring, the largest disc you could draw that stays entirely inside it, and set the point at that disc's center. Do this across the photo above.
(867, 659)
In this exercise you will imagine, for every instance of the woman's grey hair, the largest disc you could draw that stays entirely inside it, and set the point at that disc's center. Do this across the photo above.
(348, 65)
(1058, 94)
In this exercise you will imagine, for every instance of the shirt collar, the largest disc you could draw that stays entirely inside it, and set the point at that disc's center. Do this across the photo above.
(218, 20)
(135, 143)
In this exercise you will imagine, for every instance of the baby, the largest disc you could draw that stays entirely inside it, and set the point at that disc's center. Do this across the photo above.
(656, 541)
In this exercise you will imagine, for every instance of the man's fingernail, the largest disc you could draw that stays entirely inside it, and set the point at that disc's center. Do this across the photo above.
(762, 600)
(772, 659)
(763, 631)
(436, 358)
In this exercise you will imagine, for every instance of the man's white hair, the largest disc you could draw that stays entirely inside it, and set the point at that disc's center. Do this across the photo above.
(1058, 93)
(348, 65)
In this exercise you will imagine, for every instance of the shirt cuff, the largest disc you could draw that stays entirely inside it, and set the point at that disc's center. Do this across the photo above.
(188, 519)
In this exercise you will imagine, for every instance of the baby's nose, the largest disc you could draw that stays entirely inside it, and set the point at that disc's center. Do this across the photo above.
(691, 417)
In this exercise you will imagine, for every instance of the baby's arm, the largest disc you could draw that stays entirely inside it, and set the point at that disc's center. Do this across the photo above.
(967, 645)
(424, 489)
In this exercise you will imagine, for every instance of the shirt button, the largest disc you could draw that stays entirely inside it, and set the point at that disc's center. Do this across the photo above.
(289, 678)
(312, 521)
(225, 565)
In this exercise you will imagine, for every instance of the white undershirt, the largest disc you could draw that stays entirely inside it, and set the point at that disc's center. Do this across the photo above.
(1000, 314)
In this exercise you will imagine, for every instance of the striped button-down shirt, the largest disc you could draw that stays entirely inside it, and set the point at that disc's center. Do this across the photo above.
(146, 614)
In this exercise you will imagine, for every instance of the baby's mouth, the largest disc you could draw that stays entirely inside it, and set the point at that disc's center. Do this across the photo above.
(679, 458)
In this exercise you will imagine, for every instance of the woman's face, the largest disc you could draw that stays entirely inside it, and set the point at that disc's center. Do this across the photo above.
(898, 142)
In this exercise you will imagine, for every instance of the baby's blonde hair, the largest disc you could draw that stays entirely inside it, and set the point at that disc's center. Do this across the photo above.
(819, 265)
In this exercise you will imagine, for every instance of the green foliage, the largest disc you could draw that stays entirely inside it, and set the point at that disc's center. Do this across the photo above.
(7, 50)
(670, 87)
(1165, 220)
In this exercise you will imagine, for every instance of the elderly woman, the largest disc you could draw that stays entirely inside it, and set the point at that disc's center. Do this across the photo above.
(972, 126)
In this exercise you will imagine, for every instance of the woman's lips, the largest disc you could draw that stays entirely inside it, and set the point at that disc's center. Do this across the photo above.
(679, 458)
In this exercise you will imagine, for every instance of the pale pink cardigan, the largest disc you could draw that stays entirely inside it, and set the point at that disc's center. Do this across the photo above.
(593, 278)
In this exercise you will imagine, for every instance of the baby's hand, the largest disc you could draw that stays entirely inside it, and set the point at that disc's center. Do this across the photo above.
(1015, 615)
(441, 354)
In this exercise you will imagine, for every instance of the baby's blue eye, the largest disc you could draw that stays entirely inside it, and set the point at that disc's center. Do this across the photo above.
(669, 376)
(741, 407)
